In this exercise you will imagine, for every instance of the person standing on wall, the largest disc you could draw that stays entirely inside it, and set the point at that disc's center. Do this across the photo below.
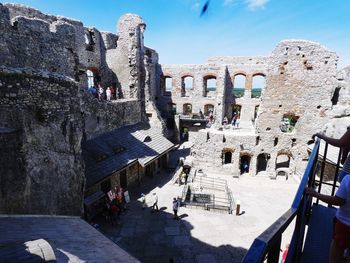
(100, 92)
(108, 93)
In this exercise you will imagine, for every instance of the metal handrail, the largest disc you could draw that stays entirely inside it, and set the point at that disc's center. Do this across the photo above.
(267, 245)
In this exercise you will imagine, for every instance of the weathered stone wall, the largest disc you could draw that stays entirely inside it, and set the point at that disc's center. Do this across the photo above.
(127, 58)
(300, 80)
(42, 170)
(100, 117)
(45, 106)
(151, 90)
(67, 47)
(197, 96)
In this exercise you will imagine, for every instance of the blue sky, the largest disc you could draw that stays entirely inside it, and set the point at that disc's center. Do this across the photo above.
(229, 28)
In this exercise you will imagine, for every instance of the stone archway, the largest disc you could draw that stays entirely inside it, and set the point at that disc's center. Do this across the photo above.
(244, 164)
(227, 154)
(227, 157)
(282, 161)
(262, 161)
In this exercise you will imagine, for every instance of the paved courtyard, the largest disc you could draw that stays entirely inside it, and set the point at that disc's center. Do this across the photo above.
(200, 236)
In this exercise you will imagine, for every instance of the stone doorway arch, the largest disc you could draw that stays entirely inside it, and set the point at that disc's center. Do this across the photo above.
(244, 164)
(227, 157)
(262, 161)
(227, 154)
(282, 160)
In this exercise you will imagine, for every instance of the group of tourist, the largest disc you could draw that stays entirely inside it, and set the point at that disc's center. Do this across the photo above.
(154, 206)
(234, 122)
(116, 201)
(154, 202)
(102, 93)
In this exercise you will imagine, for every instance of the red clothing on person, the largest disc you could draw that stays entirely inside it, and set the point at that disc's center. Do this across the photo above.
(341, 234)
(285, 253)
(114, 209)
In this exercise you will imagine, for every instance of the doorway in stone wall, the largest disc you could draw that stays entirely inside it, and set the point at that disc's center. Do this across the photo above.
(123, 179)
(262, 161)
(244, 164)
(227, 157)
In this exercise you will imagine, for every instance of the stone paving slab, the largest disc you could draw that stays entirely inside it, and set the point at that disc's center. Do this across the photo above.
(71, 238)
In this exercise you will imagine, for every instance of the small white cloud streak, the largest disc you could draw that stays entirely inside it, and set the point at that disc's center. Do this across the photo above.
(196, 5)
(228, 2)
(255, 4)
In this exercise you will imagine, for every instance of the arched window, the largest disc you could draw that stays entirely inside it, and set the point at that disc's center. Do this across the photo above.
(186, 84)
(187, 109)
(288, 122)
(262, 161)
(209, 85)
(168, 84)
(90, 78)
(239, 85)
(258, 85)
(208, 108)
(90, 40)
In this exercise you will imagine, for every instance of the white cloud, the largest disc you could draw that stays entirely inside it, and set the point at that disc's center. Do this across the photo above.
(228, 2)
(196, 5)
(255, 4)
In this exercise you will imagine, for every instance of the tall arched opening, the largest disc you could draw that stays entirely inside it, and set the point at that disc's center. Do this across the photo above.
(262, 161)
(187, 109)
(227, 155)
(209, 85)
(186, 85)
(239, 82)
(258, 85)
(244, 164)
(208, 108)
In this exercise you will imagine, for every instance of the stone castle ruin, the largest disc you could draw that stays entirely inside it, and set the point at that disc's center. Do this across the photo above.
(46, 113)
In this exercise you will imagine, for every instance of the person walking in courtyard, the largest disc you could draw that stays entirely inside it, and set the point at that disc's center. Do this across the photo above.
(233, 122)
(237, 121)
(175, 207)
(225, 122)
(143, 201)
(155, 202)
(100, 92)
(211, 116)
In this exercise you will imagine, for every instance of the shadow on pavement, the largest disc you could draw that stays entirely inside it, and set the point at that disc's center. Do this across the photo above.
(157, 237)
